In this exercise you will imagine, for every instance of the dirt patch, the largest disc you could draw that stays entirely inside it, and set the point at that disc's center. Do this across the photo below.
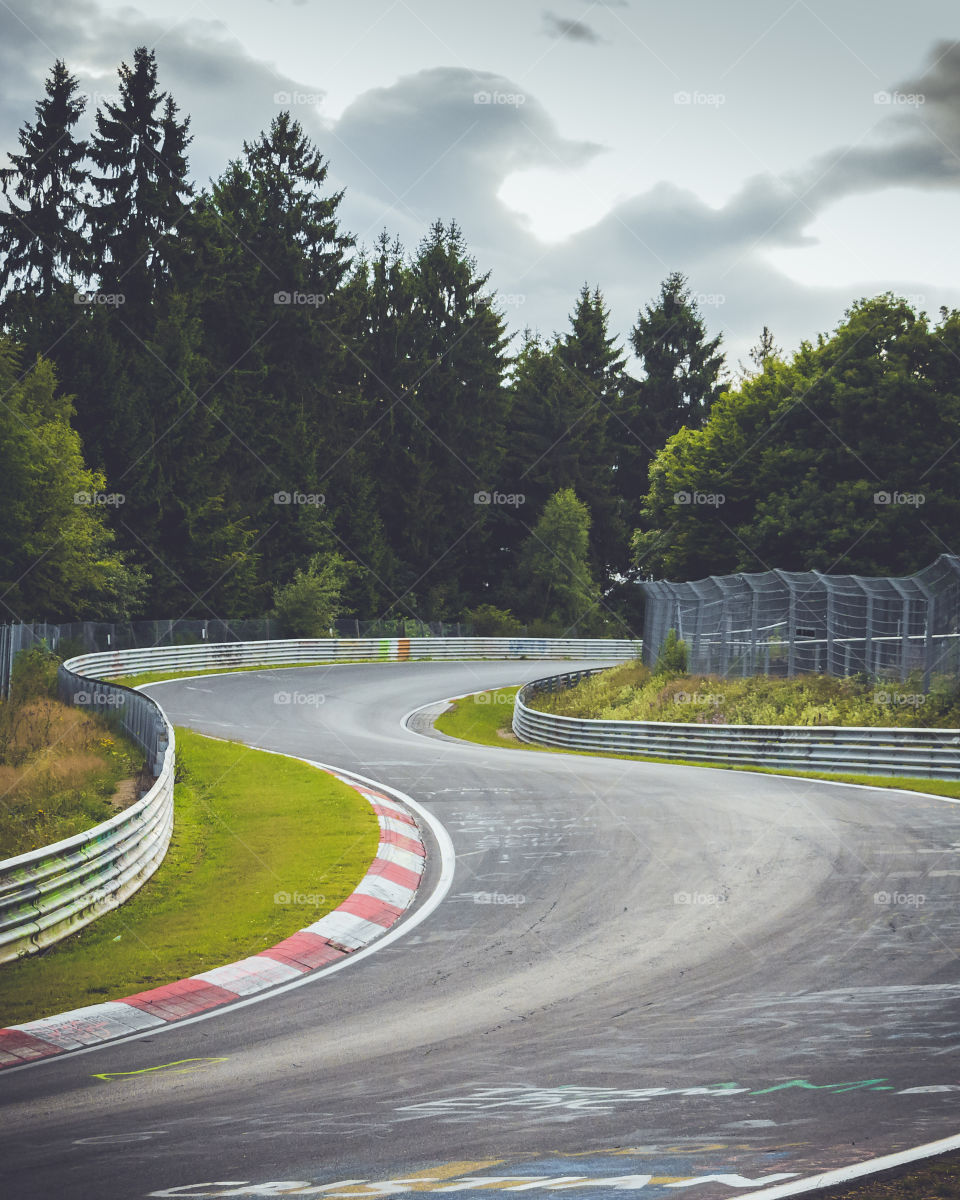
(507, 734)
(129, 791)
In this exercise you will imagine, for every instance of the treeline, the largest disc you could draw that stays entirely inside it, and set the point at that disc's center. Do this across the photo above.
(212, 395)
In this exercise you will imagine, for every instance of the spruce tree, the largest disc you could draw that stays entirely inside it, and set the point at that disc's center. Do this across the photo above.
(680, 383)
(271, 260)
(40, 238)
(681, 365)
(141, 190)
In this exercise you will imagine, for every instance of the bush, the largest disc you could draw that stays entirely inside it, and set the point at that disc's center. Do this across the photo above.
(672, 659)
(34, 674)
(490, 621)
(309, 604)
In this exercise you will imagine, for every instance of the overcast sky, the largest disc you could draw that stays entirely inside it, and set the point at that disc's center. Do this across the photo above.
(787, 156)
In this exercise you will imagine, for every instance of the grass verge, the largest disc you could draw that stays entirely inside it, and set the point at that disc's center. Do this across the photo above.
(630, 692)
(249, 826)
(60, 768)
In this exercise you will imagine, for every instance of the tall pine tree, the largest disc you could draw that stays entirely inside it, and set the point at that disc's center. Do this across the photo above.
(443, 431)
(681, 365)
(141, 190)
(271, 261)
(40, 238)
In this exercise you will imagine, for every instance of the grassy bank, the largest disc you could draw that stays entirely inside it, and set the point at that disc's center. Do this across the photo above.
(631, 693)
(485, 718)
(251, 829)
(60, 773)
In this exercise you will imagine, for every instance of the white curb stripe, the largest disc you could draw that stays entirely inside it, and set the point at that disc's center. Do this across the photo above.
(89, 1025)
(249, 975)
(401, 858)
(384, 889)
(346, 930)
(402, 827)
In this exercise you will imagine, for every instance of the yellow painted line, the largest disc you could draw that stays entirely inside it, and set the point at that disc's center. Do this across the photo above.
(185, 1064)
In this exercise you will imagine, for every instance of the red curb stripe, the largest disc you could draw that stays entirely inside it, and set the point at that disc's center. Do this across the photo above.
(370, 909)
(405, 843)
(180, 999)
(395, 813)
(303, 950)
(19, 1047)
(395, 873)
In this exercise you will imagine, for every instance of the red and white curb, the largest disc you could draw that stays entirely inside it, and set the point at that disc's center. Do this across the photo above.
(379, 901)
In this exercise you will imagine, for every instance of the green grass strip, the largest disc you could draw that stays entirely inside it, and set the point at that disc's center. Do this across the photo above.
(485, 718)
(248, 826)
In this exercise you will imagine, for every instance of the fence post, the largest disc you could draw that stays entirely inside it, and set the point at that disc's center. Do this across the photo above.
(831, 618)
(791, 629)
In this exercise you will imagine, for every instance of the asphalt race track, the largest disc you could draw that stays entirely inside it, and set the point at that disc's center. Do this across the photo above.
(644, 978)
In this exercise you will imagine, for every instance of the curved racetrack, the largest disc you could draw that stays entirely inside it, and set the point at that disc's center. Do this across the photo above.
(644, 977)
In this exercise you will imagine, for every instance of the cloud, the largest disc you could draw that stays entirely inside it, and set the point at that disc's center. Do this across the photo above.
(937, 119)
(442, 141)
(230, 93)
(915, 143)
(575, 31)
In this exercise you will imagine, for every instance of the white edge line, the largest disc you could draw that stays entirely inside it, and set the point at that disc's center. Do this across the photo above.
(844, 1174)
(443, 885)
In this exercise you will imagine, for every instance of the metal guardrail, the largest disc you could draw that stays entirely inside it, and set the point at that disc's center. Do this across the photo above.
(923, 753)
(226, 655)
(49, 893)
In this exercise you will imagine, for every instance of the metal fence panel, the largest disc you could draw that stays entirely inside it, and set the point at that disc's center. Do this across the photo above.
(796, 622)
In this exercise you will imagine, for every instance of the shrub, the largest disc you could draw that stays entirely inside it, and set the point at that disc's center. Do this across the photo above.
(672, 659)
(309, 604)
(489, 621)
(34, 674)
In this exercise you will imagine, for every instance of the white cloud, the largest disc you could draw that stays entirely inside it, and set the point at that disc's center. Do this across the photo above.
(445, 141)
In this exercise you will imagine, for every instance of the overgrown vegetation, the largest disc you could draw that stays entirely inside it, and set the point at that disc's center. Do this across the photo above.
(262, 846)
(632, 692)
(59, 766)
(672, 659)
